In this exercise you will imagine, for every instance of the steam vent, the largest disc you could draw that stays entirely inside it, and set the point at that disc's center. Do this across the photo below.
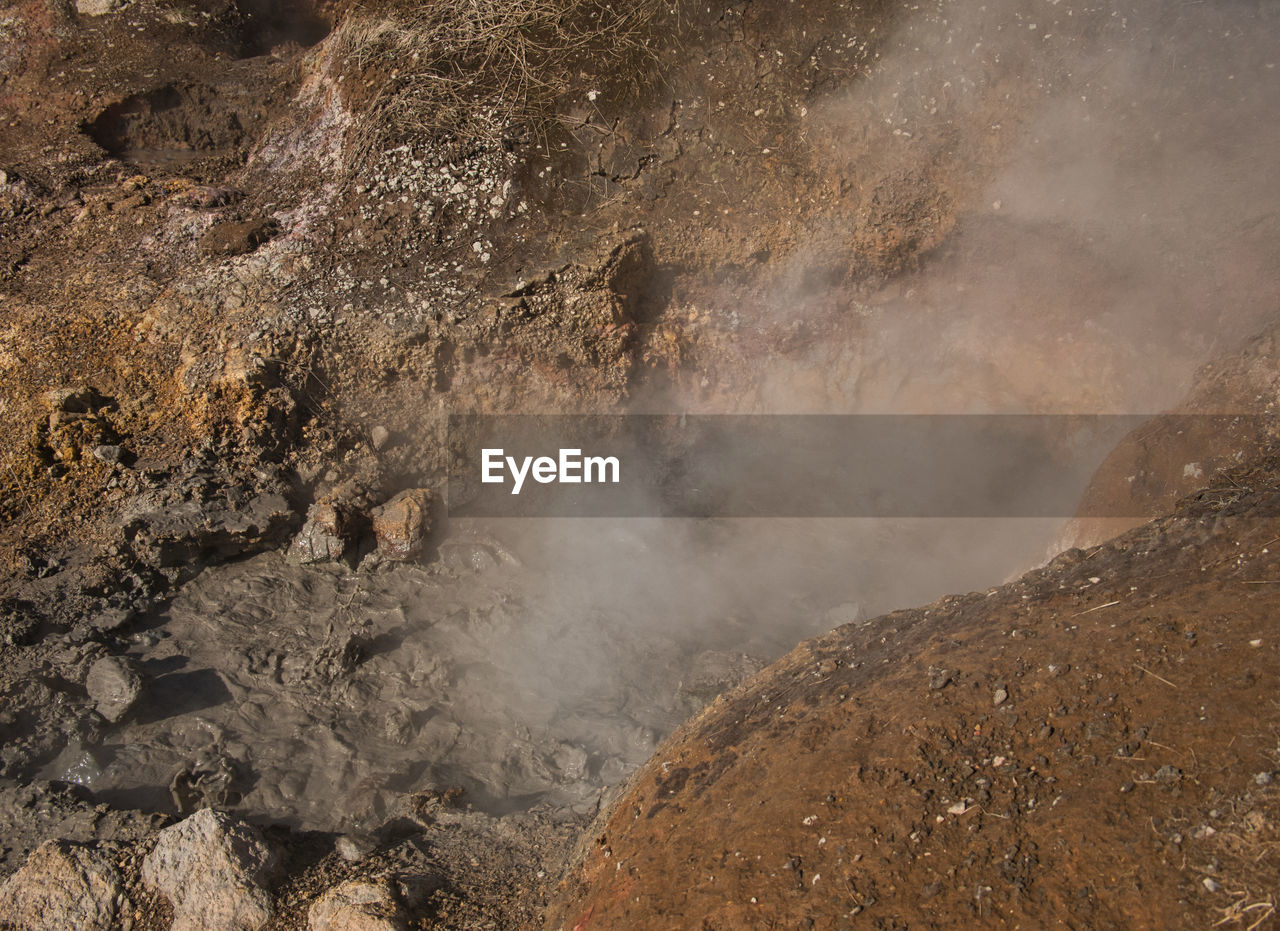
(630, 466)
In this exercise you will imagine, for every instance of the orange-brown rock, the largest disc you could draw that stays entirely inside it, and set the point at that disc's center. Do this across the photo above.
(402, 524)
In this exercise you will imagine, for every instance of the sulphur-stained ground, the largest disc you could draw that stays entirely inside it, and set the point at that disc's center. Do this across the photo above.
(252, 255)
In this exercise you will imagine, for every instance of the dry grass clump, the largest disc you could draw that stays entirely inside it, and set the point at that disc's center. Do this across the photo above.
(448, 61)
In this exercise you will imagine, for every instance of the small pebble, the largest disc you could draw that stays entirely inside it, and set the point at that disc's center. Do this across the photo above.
(352, 848)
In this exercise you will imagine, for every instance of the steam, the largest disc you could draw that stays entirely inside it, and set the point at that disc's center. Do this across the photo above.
(1116, 197)
(1118, 229)
(1118, 208)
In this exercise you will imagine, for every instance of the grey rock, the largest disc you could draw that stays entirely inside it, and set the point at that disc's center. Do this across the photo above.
(62, 885)
(322, 537)
(215, 871)
(176, 533)
(108, 454)
(109, 619)
(357, 906)
(114, 684)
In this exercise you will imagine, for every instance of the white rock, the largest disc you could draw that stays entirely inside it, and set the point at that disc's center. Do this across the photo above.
(95, 7)
(356, 906)
(214, 870)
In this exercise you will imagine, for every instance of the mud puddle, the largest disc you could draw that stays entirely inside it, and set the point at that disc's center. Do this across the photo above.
(532, 663)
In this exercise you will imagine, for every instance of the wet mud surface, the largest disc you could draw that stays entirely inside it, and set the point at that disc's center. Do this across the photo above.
(533, 669)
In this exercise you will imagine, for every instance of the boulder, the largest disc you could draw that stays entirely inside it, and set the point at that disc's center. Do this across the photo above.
(402, 524)
(215, 871)
(357, 906)
(322, 538)
(62, 885)
(114, 685)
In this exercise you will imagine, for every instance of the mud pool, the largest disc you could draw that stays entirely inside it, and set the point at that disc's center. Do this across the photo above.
(531, 663)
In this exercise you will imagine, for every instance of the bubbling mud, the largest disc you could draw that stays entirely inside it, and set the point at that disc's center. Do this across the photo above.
(532, 663)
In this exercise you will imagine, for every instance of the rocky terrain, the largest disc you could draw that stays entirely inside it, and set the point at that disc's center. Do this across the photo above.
(252, 256)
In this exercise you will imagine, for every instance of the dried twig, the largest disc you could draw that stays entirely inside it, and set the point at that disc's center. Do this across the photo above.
(1236, 911)
(1096, 608)
(1154, 676)
(1270, 910)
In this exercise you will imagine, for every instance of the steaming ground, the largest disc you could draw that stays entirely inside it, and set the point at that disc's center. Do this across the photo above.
(1131, 237)
(531, 666)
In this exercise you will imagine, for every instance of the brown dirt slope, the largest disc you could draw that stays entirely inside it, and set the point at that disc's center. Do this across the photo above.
(1093, 745)
(1228, 418)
